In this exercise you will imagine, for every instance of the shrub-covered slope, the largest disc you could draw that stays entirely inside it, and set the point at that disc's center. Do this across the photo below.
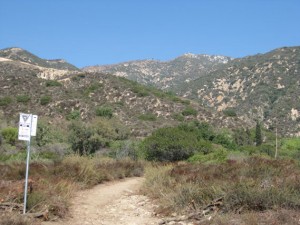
(263, 87)
(88, 95)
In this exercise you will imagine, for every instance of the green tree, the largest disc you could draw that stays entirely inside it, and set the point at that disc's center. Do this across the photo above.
(258, 134)
(43, 134)
(173, 144)
(242, 137)
(82, 139)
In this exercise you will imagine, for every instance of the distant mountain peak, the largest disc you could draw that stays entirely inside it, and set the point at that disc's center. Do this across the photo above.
(212, 58)
(22, 55)
(14, 49)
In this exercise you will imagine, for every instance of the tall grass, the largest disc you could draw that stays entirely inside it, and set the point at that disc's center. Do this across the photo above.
(254, 184)
(54, 183)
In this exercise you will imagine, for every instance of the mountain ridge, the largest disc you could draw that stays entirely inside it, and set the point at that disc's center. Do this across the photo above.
(252, 86)
(22, 55)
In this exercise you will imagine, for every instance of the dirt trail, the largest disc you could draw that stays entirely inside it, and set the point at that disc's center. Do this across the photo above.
(109, 204)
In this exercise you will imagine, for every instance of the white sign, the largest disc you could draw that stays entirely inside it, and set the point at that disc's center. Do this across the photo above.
(27, 126)
(34, 125)
(24, 127)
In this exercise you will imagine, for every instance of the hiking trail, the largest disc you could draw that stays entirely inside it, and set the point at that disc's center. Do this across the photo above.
(116, 202)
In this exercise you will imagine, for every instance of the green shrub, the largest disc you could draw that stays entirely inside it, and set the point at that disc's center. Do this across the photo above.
(189, 111)
(229, 112)
(78, 77)
(249, 149)
(92, 88)
(53, 83)
(225, 140)
(178, 117)
(4, 101)
(74, 115)
(172, 144)
(290, 147)
(45, 100)
(43, 134)
(111, 129)
(104, 112)
(123, 149)
(178, 99)
(267, 149)
(83, 140)
(140, 90)
(218, 155)
(147, 117)
(10, 135)
(23, 98)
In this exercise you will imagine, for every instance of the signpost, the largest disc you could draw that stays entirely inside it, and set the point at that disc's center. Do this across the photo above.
(27, 128)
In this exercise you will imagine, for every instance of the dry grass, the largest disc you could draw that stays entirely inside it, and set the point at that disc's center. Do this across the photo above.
(274, 217)
(55, 183)
(252, 186)
(14, 219)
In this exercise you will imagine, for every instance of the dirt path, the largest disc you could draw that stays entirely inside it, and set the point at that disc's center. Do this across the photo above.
(109, 204)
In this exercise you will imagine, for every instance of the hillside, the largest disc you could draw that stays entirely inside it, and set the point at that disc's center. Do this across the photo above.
(165, 75)
(263, 87)
(142, 109)
(46, 69)
(22, 55)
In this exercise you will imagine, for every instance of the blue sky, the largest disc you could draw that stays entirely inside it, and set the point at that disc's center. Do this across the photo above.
(90, 32)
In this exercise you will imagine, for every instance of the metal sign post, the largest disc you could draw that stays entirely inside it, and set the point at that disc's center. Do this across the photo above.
(26, 177)
(27, 128)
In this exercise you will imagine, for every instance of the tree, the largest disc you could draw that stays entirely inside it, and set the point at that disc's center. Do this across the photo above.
(43, 134)
(258, 135)
(174, 144)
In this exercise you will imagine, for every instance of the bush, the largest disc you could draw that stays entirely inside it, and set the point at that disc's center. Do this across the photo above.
(45, 100)
(43, 134)
(53, 83)
(180, 100)
(23, 98)
(140, 90)
(189, 111)
(290, 147)
(124, 149)
(10, 135)
(178, 117)
(74, 115)
(225, 140)
(267, 149)
(4, 101)
(171, 144)
(147, 117)
(229, 112)
(111, 129)
(217, 155)
(104, 112)
(255, 184)
(92, 88)
(83, 140)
